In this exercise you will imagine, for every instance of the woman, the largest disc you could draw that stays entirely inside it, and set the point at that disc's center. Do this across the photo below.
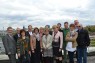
(23, 47)
(47, 47)
(41, 32)
(57, 44)
(71, 45)
(35, 45)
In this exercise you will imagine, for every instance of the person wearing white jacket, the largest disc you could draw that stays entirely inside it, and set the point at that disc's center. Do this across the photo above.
(47, 47)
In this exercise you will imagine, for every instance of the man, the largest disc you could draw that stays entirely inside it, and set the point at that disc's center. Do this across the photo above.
(17, 35)
(65, 31)
(83, 42)
(48, 26)
(76, 22)
(59, 26)
(29, 32)
(10, 45)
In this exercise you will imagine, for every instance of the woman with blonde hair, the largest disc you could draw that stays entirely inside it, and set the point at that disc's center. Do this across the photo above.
(57, 44)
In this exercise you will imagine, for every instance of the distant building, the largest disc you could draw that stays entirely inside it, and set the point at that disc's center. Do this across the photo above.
(2, 33)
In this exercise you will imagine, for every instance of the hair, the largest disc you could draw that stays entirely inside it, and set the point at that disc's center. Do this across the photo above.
(65, 22)
(47, 29)
(54, 26)
(9, 28)
(75, 20)
(59, 23)
(29, 25)
(48, 26)
(35, 29)
(72, 25)
(22, 30)
(42, 28)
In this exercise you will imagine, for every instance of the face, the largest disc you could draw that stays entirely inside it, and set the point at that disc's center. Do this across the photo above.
(46, 32)
(79, 27)
(59, 25)
(72, 28)
(56, 29)
(18, 30)
(10, 31)
(66, 25)
(76, 22)
(46, 26)
(30, 28)
(23, 33)
(41, 30)
(36, 31)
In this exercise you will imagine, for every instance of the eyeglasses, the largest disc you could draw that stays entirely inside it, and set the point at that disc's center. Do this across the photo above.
(78, 26)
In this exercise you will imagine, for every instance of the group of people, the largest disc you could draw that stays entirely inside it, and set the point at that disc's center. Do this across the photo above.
(45, 45)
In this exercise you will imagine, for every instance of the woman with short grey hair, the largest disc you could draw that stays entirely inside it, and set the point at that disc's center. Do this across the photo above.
(47, 47)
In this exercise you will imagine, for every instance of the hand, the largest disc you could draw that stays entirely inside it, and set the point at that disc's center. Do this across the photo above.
(33, 51)
(9, 53)
(60, 50)
(18, 54)
(41, 50)
(29, 52)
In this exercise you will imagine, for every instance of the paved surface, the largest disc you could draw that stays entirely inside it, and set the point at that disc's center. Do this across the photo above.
(91, 59)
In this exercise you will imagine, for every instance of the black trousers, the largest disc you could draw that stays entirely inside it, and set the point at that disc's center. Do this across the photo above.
(48, 59)
(71, 57)
(32, 57)
(12, 58)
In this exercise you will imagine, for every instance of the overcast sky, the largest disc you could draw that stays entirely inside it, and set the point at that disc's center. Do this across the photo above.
(17, 13)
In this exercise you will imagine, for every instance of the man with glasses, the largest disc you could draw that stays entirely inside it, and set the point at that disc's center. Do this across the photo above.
(83, 41)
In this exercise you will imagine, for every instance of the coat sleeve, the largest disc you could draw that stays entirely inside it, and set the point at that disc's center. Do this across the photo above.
(61, 39)
(18, 46)
(50, 42)
(5, 43)
(43, 44)
(87, 38)
(32, 42)
(73, 39)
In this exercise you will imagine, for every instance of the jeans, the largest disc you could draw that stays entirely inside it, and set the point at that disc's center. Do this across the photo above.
(82, 54)
(71, 57)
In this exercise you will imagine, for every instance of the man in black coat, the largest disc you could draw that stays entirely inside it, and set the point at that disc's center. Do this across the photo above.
(17, 35)
(83, 42)
(29, 32)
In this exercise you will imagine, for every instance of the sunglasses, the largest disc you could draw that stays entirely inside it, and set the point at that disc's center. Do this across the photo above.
(78, 26)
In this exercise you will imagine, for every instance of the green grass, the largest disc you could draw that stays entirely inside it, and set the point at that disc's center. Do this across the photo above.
(92, 43)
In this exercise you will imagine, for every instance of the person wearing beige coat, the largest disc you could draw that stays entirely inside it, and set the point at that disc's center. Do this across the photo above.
(71, 45)
(47, 47)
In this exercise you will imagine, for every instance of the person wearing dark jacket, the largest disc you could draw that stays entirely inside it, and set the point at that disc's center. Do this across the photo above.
(83, 41)
(29, 32)
(17, 35)
(59, 27)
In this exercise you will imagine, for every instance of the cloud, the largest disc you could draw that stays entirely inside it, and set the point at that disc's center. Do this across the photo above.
(19, 13)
